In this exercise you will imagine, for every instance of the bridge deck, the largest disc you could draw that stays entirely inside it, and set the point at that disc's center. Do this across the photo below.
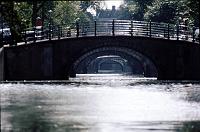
(111, 28)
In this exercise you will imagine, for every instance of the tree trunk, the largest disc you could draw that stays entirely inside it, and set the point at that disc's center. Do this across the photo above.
(34, 15)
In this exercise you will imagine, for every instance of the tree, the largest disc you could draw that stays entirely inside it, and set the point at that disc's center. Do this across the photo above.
(41, 9)
(65, 12)
(124, 13)
(84, 5)
(194, 11)
(13, 19)
(24, 10)
(137, 8)
(162, 11)
(173, 11)
(20, 15)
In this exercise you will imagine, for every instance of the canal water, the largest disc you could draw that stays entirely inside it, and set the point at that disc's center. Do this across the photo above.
(101, 103)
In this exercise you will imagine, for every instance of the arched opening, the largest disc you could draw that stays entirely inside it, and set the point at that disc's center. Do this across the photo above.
(114, 60)
(109, 64)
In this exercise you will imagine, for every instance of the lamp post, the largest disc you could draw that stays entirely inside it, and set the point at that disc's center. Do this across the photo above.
(1, 19)
(50, 24)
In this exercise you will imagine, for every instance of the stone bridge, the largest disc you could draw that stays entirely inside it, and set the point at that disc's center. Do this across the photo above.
(59, 59)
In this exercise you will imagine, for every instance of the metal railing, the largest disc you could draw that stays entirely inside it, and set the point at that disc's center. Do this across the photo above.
(111, 28)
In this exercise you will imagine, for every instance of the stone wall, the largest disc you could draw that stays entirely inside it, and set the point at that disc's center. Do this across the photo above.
(29, 62)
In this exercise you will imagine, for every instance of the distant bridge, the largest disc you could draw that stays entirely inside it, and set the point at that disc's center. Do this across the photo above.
(159, 51)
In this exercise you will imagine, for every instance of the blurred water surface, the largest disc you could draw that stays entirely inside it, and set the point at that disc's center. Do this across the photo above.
(100, 103)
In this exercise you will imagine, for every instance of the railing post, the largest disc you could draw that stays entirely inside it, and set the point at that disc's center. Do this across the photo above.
(61, 32)
(131, 28)
(147, 26)
(25, 37)
(52, 31)
(164, 33)
(42, 32)
(168, 31)
(1, 27)
(34, 38)
(150, 28)
(113, 27)
(58, 31)
(68, 32)
(77, 29)
(49, 34)
(95, 28)
(193, 34)
(177, 31)
(2, 34)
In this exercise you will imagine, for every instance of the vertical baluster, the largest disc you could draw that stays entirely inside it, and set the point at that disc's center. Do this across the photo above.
(69, 32)
(49, 33)
(113, 27)
(150, 28)
(131, 28)
(61, 32)
(147, 26)
(25, 37)
(177, 31)
(168, 31)
(34, 38)
(193, 34)
(77, 29)
(95, 28)
(42, 32)
(58, 31)
(164, 32)
(52, 31)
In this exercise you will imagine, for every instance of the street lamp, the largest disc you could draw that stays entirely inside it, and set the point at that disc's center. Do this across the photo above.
(50, 24)
(50, 19)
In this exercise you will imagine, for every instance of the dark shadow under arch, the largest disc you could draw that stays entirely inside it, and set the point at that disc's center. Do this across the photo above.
(150, 69)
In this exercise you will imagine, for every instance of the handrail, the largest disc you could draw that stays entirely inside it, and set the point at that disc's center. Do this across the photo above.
(110, 28)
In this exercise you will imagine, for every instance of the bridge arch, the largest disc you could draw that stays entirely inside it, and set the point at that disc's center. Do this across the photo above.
(57, 59)
(104, 63)
(149, 68)
(109, 64)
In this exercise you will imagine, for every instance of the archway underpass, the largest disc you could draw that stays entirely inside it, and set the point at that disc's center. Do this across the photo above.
(114, 60)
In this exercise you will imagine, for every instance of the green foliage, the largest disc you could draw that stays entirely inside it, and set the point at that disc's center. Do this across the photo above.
(24, 11)
(124, 13)
(21, 15)
(194, 11)
(84, 5)
(162, 11)
(137, 8)
(67, 12)
(173, 11)
(13, 19)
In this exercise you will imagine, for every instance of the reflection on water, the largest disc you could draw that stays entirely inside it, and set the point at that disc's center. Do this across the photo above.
(100, 103)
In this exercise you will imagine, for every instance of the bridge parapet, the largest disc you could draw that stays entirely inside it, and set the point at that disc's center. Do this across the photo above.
(111, 28)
